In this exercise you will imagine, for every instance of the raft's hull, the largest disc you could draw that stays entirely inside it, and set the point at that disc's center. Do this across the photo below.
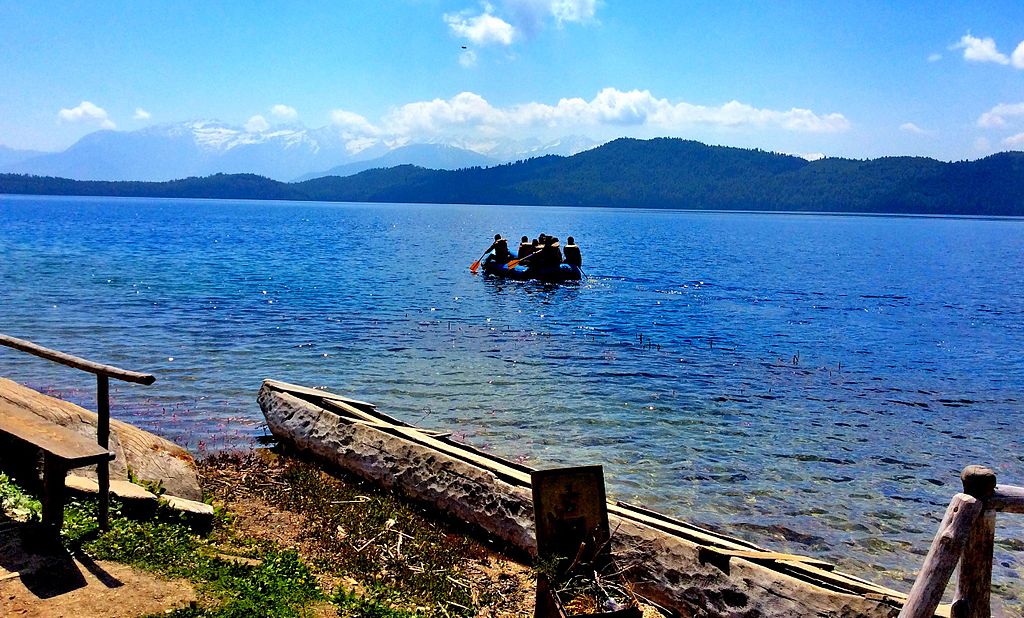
(677, 565)
(563, 272)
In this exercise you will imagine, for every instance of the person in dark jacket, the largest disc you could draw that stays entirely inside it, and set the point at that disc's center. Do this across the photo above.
(572, 253)
(525, 248)
(538, 251)
(552, 253)
(500, 249)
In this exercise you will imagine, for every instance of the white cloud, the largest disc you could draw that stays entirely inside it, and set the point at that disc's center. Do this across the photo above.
(736, 114)
(934, 57)
(467, 58)
(610, 108)
(572, 10)
(513, 21)
(470, 119)
(87, 112)
(257, 124)
(529, 16)
(483, 29)
(427, 117)
(1017, 58)
(141, 114)
(910, 127)
(353, 125)
(284, 112)
(980, 50)
(1014, 141)
(997, 116)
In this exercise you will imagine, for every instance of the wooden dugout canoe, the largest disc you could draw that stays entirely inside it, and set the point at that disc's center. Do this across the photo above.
(691, 570)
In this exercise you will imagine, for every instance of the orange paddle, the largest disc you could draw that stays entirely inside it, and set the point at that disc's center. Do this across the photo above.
(475, 266)
(515, 263)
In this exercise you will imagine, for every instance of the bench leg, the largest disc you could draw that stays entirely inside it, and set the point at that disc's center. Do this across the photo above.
(54, 471)
(103, 479)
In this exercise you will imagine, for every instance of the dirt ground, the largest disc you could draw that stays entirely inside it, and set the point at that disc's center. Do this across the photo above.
(41, 581)
(242, 492)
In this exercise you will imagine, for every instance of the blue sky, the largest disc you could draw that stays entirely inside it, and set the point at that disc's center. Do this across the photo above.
(855, 79)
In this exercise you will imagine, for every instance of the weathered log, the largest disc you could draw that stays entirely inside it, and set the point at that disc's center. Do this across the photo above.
(942, 557)
(973, 596)
(494, 497)
(150, 457)
(1007, 499)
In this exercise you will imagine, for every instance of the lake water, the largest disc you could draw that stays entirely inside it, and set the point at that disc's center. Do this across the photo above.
(812, 382)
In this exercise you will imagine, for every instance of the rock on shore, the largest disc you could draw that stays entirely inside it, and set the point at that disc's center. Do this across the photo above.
(150, 457)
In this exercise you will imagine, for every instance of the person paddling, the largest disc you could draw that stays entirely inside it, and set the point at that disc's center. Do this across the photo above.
(500, 249)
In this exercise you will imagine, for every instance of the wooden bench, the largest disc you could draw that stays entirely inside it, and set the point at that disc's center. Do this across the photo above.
(103, 374)
(62, 449)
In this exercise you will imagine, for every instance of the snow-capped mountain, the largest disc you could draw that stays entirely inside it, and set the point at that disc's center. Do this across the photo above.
(166, 152)
(285, 152)
(433, 156)
(516, 150)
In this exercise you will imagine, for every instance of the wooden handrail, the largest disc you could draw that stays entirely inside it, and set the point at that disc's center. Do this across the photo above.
(1007, 499)
(76, 362)
(103, 375)
(942, 558)
(967, 536)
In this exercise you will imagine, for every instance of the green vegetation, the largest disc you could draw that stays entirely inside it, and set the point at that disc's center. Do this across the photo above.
(293, 541)
(401, 562)
(279, 584)
(13, 499)
(627, 173)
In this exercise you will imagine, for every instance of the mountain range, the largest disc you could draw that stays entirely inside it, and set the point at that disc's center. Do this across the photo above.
(10, 156)
(657, 173)
(284, 153)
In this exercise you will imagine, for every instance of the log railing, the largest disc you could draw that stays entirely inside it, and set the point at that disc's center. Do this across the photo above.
(103, 374)
(966, 535)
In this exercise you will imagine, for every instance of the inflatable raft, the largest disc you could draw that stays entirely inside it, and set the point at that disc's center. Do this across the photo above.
(563, 272)
(686, 568)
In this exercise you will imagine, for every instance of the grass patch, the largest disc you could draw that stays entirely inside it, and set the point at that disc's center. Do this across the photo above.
(290, 540)
(14, 500)
(395, 560)
(352, 605)
(280, 585)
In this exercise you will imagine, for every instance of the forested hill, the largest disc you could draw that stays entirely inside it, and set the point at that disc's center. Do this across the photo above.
(658, 173)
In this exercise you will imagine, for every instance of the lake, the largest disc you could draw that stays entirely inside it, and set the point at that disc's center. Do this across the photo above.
(814, 383)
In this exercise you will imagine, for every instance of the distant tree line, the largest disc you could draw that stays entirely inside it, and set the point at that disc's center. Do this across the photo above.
(629, 173)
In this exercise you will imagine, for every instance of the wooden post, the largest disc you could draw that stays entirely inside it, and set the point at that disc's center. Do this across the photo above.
(570, 513)
(974, 585)
(103, 438)
(942, 557)
(54, 472)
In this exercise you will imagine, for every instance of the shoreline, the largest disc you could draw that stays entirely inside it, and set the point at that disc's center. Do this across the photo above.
(763, 534)
(263, 475)
(564, 207)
